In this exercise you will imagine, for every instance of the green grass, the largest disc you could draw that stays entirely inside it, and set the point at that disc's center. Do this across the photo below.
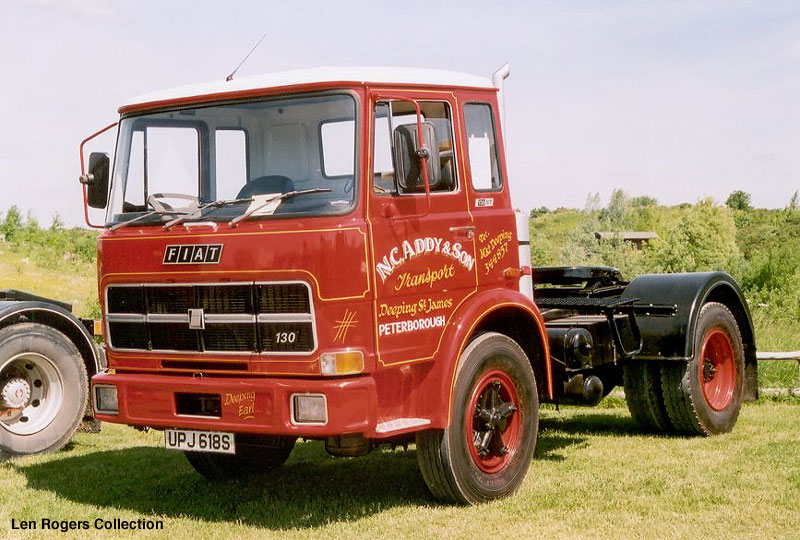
(70, 281)
(595, 476)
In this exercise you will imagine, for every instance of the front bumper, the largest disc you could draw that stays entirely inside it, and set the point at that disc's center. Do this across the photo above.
(253, 405)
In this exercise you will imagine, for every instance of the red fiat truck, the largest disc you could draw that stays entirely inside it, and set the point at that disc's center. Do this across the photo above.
(332, 254)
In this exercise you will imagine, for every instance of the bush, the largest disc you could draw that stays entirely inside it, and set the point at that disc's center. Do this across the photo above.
(536, 212)
(12, 224)
(50, 247)
(704, 238)
(644, 201)
(738, 200)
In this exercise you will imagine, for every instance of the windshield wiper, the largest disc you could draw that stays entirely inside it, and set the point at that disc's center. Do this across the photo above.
(199, 211)
(235, 221)
(142, 218)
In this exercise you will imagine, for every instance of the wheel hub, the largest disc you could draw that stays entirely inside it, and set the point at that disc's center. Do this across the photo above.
(494, 422)
(717, 370)
(31, 393)
(493, 415)
(15, 393)
(709, 371)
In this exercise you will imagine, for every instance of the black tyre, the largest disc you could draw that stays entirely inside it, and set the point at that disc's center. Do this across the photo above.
(643, 395)
(255, 455)
(704, 397)
(43, 389)
(485, 452)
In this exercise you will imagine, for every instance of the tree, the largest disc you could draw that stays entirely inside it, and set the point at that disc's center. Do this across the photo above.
(794, 204)
(644, 201)
(12, 224)
(739, 200)
(536, 212)
(703, 239)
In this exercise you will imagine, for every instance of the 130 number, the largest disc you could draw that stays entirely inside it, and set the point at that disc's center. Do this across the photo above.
(285, 337)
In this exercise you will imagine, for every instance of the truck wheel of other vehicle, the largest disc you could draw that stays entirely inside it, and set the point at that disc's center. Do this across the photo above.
(486, 450)
(255, 455)
(642, 382)
(705, 397)
(43, 389)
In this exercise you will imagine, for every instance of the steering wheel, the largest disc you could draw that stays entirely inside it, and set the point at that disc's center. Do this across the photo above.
(348, 186)
(154, 200)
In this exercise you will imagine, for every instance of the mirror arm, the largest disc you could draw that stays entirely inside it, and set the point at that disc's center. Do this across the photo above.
(422, 151)
(86, 177)
(422, 154)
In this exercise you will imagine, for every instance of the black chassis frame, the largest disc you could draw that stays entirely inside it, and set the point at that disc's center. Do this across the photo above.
(657, 313)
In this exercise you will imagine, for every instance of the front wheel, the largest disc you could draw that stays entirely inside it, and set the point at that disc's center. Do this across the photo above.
(704, 397)
(255, 455)
(486, 450)
(43, 389)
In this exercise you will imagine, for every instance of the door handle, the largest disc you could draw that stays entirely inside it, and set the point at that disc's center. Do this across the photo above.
(468, 230)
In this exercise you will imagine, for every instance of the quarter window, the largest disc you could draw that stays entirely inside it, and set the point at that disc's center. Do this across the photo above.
(484, 165)
(338, 141)
(230, 162)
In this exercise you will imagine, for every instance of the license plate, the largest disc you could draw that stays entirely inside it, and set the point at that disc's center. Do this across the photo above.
(200, 441)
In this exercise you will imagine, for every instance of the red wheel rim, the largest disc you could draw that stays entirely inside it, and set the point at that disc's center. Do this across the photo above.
(493, 422)
(717, 369)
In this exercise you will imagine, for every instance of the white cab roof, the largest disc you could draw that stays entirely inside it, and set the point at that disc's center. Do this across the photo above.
(326, 74)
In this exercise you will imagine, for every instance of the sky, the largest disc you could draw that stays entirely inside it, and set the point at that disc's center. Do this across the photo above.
(677, 100)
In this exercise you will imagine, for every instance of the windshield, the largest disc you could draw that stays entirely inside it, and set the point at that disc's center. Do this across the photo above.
(181, 159)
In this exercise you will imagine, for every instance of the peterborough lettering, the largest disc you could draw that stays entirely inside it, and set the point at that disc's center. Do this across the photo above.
(401, 327)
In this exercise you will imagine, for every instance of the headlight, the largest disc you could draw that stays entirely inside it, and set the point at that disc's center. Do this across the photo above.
(309, 409)
(105, 399)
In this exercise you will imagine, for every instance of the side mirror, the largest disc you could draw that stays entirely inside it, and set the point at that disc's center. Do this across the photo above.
(97, 180)
(406, 157)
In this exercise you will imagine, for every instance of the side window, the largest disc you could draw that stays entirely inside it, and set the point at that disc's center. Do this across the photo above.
(338, 144)
(484, 165)
(400, 113)
(230, 162)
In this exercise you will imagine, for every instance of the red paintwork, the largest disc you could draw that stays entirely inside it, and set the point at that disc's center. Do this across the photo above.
(147, 400)
(717, 354)
(407, 374)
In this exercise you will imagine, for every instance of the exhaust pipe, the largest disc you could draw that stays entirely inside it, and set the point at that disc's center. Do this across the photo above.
(497, 81)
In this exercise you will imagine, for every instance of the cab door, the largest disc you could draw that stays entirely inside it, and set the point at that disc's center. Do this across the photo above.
(424, 257)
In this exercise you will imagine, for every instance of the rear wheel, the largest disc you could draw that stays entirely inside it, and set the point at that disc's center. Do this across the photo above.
(486, 450)
(43, 389)
(704, 397)
(254, 455)
(644, 397)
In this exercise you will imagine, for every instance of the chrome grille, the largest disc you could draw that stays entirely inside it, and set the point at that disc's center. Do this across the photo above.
(262, 318)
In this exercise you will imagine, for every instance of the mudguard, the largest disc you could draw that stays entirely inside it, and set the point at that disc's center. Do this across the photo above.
(670, 337)
(58, 315)
(464, 323)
